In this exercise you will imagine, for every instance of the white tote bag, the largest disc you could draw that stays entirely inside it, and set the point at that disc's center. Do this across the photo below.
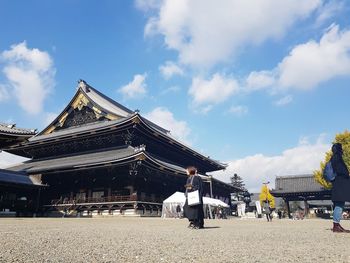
(193, 198)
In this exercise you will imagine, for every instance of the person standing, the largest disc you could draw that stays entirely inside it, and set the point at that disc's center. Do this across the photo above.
(341, 187)
(267, 210)
(194, 213)
(178, 211)
(279, 214)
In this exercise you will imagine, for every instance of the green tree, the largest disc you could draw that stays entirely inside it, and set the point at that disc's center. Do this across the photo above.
(344, 139)
(237, 181)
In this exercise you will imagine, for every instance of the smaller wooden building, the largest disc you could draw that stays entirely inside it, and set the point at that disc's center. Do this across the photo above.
(11, 135)
(299, 188)
(18, 191)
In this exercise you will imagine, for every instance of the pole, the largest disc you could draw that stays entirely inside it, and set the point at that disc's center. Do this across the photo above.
(211, 186)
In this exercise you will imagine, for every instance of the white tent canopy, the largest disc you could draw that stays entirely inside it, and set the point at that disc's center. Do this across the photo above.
(178, 198)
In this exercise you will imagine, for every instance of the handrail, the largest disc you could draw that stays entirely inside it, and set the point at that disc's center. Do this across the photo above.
(116, 198)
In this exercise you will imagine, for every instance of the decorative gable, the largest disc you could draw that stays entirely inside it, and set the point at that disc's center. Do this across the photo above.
(84, 108)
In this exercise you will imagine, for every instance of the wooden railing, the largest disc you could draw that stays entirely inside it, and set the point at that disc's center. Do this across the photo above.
(119, 198)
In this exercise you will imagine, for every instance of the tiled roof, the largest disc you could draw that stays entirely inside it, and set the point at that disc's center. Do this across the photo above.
(115, 155)
(126, 117)
(296, 184)
(12, 129)
(71, 161)
(104, 101)
(77, 130)
(18, 178)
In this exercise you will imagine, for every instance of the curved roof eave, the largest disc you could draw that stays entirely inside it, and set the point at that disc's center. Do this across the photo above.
(182, 145)
(79, 129)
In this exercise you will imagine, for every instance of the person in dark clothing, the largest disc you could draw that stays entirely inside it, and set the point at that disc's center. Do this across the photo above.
(178, 211)
(279, 214)
(341, 186)
(267, 210)
(194, 213)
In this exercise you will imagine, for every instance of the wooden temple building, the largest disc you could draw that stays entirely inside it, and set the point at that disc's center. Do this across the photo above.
(100, 157)
(299, 188)
(18, 192)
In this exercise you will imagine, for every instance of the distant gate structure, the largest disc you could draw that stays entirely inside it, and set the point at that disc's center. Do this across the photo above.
(99, 157)
(299, 188)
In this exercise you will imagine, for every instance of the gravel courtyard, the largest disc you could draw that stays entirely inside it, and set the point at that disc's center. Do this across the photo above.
(169, 240)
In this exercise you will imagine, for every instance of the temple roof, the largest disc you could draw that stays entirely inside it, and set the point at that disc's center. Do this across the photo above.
(106, 114)
(299, 187)
(11, 129)
(10, 134)
(103, 107)
(296, 184)
(106, 103)
(17, 178)
(113, 156)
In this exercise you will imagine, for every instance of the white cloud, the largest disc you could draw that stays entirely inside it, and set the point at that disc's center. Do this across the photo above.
(30, 73)
(307, 64)
(165, 119)
(7, 159)
(4, 95)
(216, 90)
(260, 80)
(259, 168)
(284, 101)
(49, 117)
(329, 10)
(136, 88)
(206, 32)
(170, 69)
(147, 5)
(171, 89)
(238, 110)
(311, 63)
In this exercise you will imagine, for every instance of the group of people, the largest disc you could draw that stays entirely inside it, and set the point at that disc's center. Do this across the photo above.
(340, 193)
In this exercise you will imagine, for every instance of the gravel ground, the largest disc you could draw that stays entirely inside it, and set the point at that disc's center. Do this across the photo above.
(169, 240)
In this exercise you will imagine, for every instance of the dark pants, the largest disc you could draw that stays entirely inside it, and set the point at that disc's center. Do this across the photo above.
(268, 217)
(195, 214)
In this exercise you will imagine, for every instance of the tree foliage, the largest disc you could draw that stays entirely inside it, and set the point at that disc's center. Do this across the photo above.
(266, 195)
(344, 139)
(237, 181)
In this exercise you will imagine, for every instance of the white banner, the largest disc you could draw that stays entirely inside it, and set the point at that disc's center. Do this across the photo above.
(258, 207)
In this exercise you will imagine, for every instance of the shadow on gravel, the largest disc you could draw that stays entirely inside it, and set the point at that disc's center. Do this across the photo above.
(210, 227)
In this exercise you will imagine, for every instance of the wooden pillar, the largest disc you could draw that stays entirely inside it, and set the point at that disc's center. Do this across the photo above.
(38, 200)
(288, 208)
(306, 208)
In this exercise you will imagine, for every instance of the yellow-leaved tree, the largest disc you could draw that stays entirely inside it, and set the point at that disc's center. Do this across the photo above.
(266, 195)
(344, 139)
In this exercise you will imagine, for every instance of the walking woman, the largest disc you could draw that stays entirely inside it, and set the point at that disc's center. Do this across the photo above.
(194, 213)
(341, 186)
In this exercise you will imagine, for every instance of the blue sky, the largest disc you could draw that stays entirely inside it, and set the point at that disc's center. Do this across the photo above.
(261, 85)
